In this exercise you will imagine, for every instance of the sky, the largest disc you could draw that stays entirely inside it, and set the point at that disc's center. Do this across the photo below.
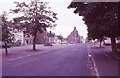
(66, 22)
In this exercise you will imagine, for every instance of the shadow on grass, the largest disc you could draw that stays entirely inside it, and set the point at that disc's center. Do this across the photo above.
(34, 50)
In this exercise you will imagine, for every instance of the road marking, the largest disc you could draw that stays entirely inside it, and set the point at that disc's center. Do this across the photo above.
(92, 59)
(16, 58)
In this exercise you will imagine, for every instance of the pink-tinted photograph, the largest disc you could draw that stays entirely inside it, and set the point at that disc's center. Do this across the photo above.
(59, 38)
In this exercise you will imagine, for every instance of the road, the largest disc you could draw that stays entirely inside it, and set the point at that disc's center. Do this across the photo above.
(68, 61)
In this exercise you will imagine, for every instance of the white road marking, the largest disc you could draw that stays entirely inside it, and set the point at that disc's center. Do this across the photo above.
(16, 58)
(95, 66)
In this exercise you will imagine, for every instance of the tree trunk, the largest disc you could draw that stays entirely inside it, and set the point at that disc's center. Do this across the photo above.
(113, 45)
(34, 41)
(100, 43)
(6, 51)
(61, 42)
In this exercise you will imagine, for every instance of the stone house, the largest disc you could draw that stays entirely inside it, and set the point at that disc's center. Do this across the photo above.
(74, 36)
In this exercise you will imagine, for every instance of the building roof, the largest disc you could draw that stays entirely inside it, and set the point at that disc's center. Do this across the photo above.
(75, 30)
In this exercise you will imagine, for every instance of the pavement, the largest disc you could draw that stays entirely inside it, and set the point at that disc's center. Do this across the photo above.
(105, 65)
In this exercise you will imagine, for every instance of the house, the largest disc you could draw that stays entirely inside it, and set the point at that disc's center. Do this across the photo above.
(74, 36)
(57, 40)
(82, 40)
(18, 36)
(42, 38)
(21, 37)
(28, 38)
(47, 37)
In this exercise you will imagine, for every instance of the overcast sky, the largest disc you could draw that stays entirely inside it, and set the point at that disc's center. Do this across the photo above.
(67, 19)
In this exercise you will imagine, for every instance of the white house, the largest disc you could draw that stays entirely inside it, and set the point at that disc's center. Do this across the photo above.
(18, 36)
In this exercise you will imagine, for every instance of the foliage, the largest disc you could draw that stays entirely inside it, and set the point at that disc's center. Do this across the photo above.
(36, 17)
(0, 33)
(60, 37)
(6, 35)
(95, 16)
(51, 34)
(101, 19)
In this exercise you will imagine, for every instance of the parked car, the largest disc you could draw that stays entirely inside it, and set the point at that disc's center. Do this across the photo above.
(2, 45)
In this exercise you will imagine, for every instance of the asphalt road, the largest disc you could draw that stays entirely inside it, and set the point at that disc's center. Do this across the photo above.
(68, 61)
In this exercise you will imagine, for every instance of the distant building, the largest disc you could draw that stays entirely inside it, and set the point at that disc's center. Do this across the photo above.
(18, 36)
(47, 37)
(57, 40)
(82, 40)
(28, 38)
(42, 38)
(74, 36)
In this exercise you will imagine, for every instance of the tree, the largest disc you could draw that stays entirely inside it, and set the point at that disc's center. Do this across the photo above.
(60, 37)
(101, 19)
(6, 35)
(0, 32)
(37, 16)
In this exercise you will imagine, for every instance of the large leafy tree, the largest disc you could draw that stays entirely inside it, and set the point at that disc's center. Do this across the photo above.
(37, 16)
(101, 19)
(0, 33)
(6, 35)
